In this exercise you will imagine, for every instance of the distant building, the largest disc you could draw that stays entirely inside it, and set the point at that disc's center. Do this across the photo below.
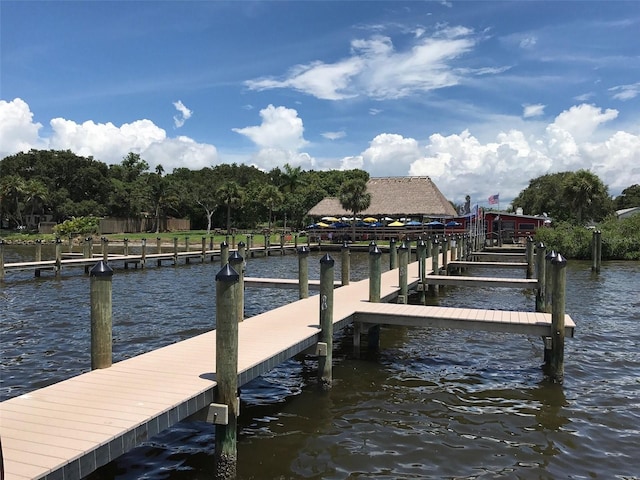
(627, 212)
(395, 197)
(506, 227)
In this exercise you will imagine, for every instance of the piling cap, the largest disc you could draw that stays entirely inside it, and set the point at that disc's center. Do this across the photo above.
(227, 274)
(224, 244)
(551, 255)
(345, 244)
(327, 260)
(559, 260)
(241, 244)
(101, 269)
(541, 245)
(304, 250)
(375, 251)
(235, 258)
(404, 246)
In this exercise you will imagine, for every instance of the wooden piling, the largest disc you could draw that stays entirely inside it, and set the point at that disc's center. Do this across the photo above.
(236, 261)
(435, 253)
(393, 254)
(105, 249)
(39, 257)
(346, 263)
(541, 273)
(226, 454)
(303, 272)
(224, 253)
(58, 256)
(101, 276)
(421, 250)
(175, 251)
(598, 235)
(203, 249)
(242, 250)
(325, 346)
(445, 254)
(548, 281)
(143, 253)
(403, 260)
(1, 259)
(556, 365)
(375, 274)
(530, 254)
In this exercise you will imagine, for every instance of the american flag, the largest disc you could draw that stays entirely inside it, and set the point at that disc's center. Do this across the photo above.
(493, 199)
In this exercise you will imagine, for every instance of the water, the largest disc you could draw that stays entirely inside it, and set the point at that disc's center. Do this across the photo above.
(429, 404)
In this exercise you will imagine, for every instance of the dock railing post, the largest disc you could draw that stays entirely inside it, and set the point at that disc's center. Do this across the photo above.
(393, 254)
(101, 277)
(403, 260)
(530, 254)
(236, 261)
(556, 366)
(325, 346)
(346, 263)
(224, 253)
(303, 272)
(541, 273)
(226, 455)
(548, 281)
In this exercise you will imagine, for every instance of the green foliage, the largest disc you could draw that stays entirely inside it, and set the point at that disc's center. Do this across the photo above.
(620, 239)
(78, 225)
(630, 197)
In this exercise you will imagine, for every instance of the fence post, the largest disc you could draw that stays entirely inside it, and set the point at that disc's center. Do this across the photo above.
(325, 346)
(541, 273)
(346, 263)
(303, 272)
(556, 370)
(236, 261)
(226, 455)
(101, 276)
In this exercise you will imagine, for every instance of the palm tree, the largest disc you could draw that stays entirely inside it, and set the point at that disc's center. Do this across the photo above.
(585, 192)
(231, 195)
(12, 191)
(272, 198)
(354, 197)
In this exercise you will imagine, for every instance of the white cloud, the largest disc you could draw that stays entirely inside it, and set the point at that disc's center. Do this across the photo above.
(350, 163)
(18, 131)
(390, 154)
(105, 142)
(333, 135)
(626, 92)
(376, 69)
(533, 110)
(185, 114)
(528, 42)
(281, 128)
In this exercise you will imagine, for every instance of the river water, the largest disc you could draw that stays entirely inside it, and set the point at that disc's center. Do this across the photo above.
(430, 404)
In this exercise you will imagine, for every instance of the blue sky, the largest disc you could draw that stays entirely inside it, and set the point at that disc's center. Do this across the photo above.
(481, 96)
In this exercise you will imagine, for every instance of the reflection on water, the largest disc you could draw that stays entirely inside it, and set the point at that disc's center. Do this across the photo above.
(429, 404)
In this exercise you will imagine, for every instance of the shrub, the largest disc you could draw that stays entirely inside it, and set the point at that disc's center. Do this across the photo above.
(77, 225)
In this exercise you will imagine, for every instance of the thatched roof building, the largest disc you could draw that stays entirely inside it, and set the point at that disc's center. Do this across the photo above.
(414, 197)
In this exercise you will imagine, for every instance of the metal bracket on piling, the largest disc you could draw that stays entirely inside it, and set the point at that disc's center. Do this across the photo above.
(218, 413)
(321, 349)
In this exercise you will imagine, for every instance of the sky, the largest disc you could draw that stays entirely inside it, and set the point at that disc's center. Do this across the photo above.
(481, 96)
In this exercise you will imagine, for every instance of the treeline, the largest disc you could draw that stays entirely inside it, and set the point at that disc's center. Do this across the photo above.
(64, 185)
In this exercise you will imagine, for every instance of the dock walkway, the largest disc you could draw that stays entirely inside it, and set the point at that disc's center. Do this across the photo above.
(69, 429)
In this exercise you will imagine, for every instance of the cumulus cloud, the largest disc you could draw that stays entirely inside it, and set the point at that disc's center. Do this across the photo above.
(184, 114)
(375, 68)
(103, 141)
(533, 110)
(18, 131)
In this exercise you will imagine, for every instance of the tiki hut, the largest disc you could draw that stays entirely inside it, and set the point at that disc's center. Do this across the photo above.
(406, 197)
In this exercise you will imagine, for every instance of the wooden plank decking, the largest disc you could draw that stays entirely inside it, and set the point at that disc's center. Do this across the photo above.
(67, 430)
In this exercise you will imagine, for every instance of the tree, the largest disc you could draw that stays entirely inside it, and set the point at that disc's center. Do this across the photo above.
(354, 197)
(231, 195)
(588, 196)
(12, 191)
(272, 198)
(630, 197)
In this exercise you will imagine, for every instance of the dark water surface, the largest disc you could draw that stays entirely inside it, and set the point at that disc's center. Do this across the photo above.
(429, 404)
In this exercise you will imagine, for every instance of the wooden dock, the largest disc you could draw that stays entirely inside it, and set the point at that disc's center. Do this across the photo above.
(67, 430)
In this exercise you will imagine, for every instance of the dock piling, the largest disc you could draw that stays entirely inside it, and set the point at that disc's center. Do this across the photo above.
(556, 365)
(403, 260)
(58, 256)
(226, 454)
(548, 281)
(101, 276)
(236, 261)
(529, 255)
(325, 345)
(224, 253)
(346, 263)
(596, 251)
(393, 254)
(303, 272)
(1, 259)
(541, 273)
(435, 252)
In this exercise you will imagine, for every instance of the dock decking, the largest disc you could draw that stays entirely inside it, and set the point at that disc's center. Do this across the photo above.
(67, 430)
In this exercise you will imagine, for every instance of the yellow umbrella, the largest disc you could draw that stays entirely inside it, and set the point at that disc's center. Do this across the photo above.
(321, 224)
(330, 219)
(370, 220)
(396, 224)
